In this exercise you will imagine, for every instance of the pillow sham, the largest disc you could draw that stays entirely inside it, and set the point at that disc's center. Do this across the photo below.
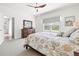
(69, 32)
(74, 33)
(74, 37)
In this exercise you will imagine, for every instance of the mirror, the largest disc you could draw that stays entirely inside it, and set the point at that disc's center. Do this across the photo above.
(27, 24)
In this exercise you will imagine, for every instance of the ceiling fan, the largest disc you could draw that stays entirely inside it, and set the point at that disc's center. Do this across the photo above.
(36, 6)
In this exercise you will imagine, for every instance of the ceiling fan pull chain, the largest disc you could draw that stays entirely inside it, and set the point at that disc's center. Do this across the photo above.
(36, 10)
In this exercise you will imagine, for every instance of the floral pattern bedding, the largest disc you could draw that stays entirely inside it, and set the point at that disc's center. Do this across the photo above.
(54, 46)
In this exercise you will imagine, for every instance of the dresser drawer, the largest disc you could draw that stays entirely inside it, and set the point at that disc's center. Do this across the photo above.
(26, 32)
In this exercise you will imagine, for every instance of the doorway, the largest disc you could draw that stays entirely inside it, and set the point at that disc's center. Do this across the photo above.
(9, 28)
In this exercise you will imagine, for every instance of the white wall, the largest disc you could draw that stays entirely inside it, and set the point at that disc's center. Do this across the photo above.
(72, 10)
(19, 17)
(1, 28)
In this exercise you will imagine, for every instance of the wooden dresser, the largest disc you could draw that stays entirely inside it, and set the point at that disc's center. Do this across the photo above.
(26, 31)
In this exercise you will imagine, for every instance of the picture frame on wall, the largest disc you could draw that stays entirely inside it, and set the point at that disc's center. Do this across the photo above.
(69, 20)
(27, 24)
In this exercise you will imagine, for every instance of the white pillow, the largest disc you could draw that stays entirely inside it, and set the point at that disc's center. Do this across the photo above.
(74, 33)
(69, 32)
(74, 37)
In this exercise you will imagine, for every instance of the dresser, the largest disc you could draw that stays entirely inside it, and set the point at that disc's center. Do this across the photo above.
(26, 31)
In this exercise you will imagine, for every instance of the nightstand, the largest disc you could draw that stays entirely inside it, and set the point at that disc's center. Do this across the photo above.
(76, 53)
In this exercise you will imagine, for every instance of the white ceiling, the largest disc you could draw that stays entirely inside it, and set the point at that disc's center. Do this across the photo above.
(21, 7)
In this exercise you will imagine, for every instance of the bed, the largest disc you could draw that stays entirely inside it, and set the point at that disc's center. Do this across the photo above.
(51, 45)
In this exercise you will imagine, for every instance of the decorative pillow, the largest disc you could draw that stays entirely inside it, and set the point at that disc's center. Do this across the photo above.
(68, 33)
(74, 33)
(76, 40)
(75, 37)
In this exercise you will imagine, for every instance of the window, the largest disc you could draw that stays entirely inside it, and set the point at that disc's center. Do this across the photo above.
(51, 27)
(51, 24)
(47, 27)
(55, 28)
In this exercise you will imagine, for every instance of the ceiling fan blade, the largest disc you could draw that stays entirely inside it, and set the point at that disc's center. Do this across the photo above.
(42, 5)
(30, 6)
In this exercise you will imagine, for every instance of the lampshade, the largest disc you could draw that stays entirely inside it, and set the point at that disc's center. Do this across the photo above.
(76, 24)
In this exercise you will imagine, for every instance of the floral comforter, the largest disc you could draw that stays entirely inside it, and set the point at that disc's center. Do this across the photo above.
(51, 46)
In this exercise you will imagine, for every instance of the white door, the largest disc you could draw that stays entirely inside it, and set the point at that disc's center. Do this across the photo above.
(1, 29)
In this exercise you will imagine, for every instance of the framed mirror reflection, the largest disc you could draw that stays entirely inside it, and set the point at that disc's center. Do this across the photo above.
(27, 24)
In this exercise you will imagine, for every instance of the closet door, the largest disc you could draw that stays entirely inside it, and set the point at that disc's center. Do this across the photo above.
(1, 29)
